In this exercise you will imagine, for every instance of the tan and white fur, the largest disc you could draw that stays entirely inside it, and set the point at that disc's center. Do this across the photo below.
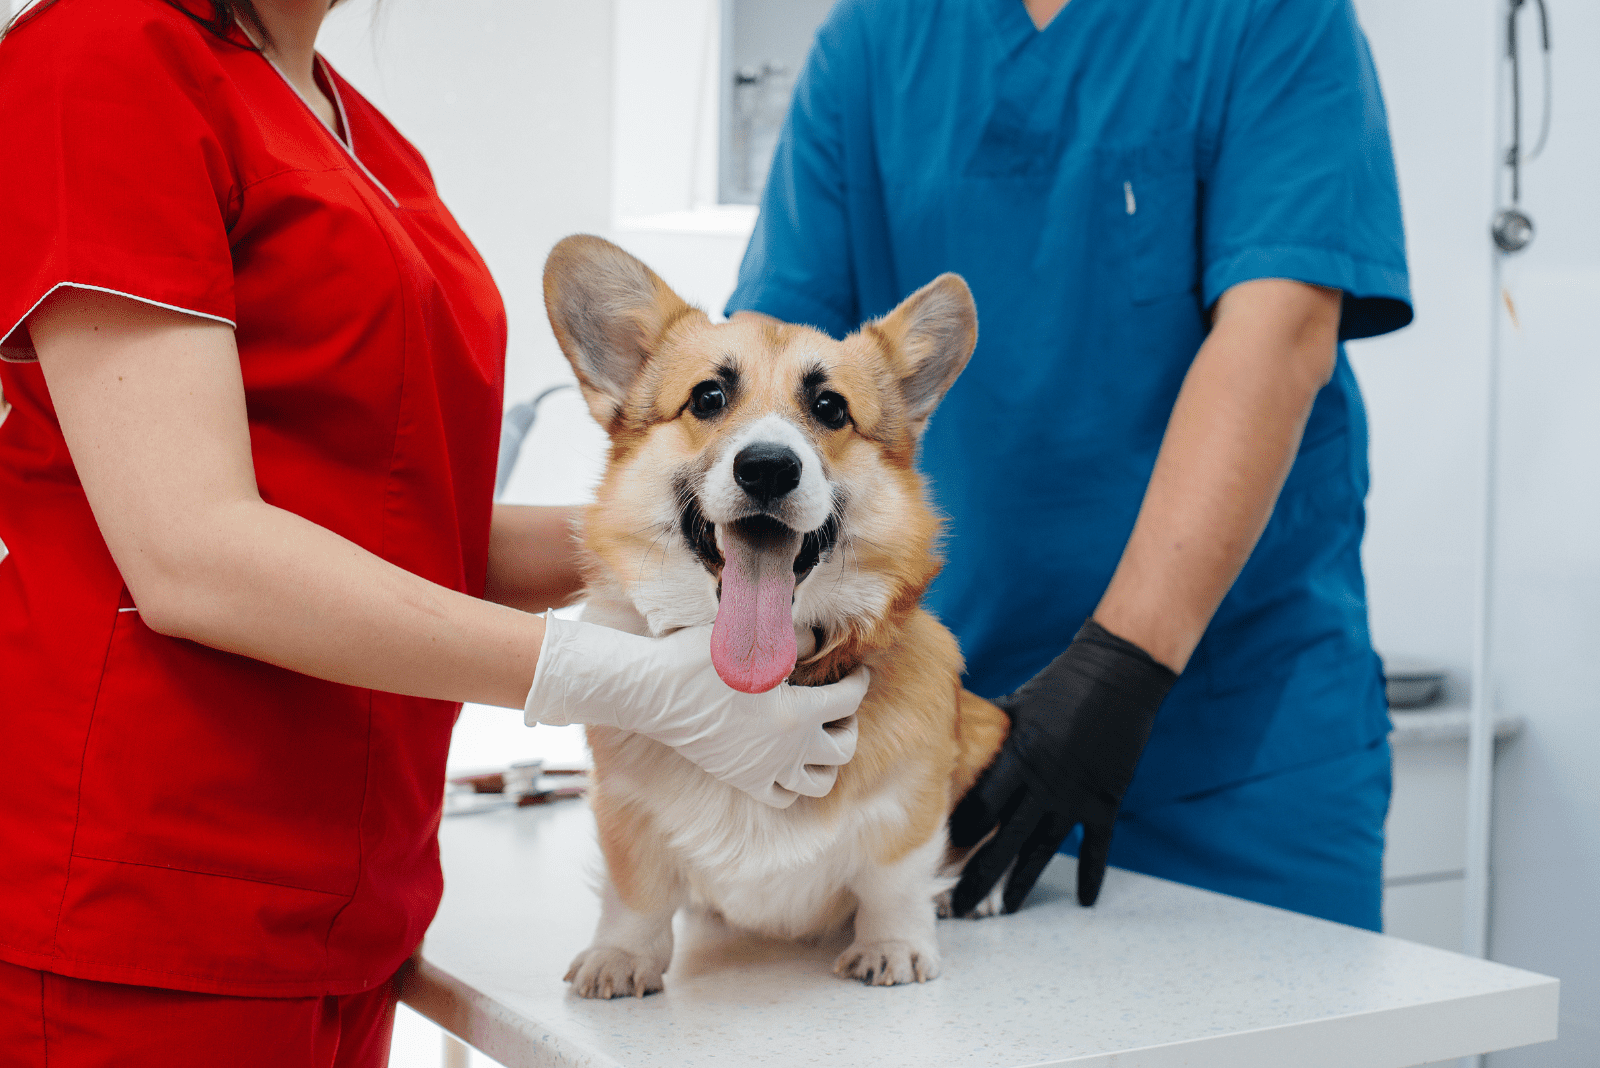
(671, 510)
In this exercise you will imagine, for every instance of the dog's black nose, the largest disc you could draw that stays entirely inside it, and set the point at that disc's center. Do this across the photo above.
(766, 471)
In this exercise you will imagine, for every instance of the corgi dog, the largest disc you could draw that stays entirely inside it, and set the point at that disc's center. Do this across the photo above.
(761, 479)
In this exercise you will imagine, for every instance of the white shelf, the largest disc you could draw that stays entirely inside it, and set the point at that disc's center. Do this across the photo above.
(1444, 723)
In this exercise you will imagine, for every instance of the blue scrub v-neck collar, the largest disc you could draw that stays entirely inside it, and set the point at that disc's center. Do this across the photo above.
(1025, 127)
(1015, 29)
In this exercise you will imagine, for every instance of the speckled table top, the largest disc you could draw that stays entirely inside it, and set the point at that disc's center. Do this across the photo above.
(1157, 975)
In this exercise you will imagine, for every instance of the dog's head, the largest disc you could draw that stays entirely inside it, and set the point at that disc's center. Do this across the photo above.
(761, 475)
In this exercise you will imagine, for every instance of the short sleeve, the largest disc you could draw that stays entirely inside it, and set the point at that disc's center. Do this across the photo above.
(797, 267)
(116, 177)
(1301, 183)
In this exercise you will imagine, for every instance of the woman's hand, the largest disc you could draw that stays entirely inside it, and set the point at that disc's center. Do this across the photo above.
(774, 746)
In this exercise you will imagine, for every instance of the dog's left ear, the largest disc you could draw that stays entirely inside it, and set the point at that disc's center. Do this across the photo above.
(931, 336)
(609, 313)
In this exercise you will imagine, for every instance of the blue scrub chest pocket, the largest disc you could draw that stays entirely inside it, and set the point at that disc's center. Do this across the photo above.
(1150, 194)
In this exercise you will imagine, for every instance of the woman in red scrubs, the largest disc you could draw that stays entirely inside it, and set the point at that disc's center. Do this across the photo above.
(246, 491)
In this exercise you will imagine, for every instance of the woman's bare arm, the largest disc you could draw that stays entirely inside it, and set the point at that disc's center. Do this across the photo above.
(152, 406)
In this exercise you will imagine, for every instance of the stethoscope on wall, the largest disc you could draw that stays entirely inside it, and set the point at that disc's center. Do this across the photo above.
(514, 429)
(1512, 229)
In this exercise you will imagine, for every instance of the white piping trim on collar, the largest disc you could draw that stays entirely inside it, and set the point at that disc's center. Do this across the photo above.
(348, 141)
(338, 103)
(349, 137)
(5, 352)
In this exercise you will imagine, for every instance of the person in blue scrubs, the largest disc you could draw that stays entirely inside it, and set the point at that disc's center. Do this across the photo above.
(1170, 214)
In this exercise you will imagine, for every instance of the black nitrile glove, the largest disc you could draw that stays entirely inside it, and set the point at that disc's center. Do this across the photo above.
(1077, 730)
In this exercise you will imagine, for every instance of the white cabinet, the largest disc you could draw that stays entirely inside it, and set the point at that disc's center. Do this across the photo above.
(1427, 813)
(1426, 912)
(1424, 859)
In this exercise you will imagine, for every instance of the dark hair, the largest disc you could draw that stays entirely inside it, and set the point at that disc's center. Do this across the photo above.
(224, 13)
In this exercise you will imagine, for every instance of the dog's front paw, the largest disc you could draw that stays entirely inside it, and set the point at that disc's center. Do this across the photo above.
(610, 972)
(888, 963)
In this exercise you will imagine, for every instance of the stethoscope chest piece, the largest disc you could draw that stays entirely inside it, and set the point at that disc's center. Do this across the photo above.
(1512, 230)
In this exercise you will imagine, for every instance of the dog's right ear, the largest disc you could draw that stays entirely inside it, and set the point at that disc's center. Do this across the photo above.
(609, 312)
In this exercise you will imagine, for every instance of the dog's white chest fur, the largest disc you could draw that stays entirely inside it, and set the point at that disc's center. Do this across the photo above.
(782, 872)
(785, 872)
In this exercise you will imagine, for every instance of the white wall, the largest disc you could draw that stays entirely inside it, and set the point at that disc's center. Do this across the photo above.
(1547, 623)
(668, 63)
(1425, 387)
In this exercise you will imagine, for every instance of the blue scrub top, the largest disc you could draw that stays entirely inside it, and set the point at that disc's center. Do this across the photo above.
(1099, 184)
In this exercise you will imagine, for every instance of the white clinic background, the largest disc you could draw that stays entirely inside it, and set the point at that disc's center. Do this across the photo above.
(542, 118)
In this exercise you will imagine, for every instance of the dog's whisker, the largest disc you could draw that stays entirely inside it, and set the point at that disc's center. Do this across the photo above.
(880, 546)
(659, 525)
(839, 573)
(662, 533)
(855, 556)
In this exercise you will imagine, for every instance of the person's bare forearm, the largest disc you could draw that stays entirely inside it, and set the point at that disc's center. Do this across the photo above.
(533, 556)
(1229, 445)
(153, 409)
(268, 584)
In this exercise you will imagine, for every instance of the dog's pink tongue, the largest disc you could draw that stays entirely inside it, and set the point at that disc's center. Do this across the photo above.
(752, 643)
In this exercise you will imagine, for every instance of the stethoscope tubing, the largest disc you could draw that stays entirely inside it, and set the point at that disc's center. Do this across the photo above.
(1513, 229)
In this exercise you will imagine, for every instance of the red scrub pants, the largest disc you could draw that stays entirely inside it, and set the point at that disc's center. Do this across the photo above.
(56, 1021)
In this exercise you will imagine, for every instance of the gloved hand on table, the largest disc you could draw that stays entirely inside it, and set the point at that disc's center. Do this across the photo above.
(774, 746)
(1077, 730)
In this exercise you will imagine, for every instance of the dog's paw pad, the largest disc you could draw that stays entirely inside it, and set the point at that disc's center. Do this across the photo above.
(888, 963)
(610, 972)
(992, 905)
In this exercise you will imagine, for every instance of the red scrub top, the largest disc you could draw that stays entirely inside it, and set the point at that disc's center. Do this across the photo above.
(175, 816)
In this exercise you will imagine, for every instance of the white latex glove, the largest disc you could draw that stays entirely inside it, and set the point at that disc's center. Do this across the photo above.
(773, 746)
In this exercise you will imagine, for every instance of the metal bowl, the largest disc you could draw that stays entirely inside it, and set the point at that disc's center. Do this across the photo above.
(1412, 683)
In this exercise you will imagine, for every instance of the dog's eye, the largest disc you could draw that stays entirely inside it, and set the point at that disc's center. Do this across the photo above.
(830, 410)
(707, 399)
